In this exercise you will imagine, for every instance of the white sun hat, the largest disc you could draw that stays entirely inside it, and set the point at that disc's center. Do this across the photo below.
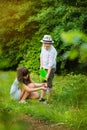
(47, 39)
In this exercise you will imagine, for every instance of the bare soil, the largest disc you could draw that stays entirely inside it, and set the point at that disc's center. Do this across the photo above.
(35, 124)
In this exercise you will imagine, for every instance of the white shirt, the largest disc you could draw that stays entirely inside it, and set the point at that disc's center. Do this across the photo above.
(48, 57)
(15, 91)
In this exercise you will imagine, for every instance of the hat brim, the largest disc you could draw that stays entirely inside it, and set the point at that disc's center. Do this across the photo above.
(49, 42)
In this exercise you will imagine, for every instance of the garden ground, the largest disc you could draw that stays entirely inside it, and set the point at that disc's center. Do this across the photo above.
(35, 124)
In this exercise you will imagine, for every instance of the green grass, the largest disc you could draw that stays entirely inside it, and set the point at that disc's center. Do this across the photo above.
(67, 105)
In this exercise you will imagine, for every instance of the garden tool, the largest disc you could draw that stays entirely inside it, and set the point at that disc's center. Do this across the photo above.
(43, 74)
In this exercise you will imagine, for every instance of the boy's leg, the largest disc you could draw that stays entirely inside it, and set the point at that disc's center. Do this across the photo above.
(50, 79)
(43, 92)
(49, 82)
(49, 85)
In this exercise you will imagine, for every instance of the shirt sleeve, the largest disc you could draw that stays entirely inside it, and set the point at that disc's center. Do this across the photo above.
(52, 59)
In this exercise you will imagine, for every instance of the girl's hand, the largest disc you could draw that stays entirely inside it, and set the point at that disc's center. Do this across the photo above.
(44, 88)
(44, 84)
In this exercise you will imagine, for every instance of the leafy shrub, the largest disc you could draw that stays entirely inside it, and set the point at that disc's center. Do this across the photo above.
(70, 90)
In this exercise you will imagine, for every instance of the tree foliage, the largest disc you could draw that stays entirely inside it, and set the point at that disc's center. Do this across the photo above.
(24, 22)
(78, 45)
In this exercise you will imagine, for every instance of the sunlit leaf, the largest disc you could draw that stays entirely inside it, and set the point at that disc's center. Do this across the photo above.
(73, 37)
(83, 52)
(73, 54)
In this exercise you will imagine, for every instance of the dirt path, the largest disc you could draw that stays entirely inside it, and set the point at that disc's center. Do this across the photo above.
(40, 125)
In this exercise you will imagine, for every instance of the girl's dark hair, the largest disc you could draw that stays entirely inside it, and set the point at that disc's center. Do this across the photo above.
(21, 72)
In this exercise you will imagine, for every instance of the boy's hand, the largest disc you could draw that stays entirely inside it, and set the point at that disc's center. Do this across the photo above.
(40, 67)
